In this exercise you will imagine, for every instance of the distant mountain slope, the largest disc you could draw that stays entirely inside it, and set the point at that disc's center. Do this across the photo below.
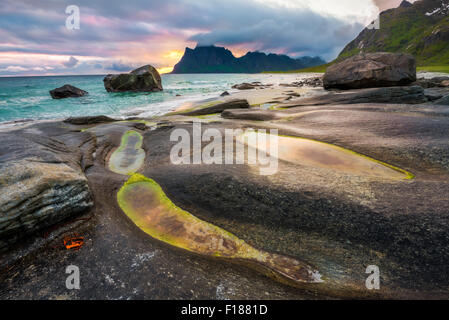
(212, 59)
(421, 29)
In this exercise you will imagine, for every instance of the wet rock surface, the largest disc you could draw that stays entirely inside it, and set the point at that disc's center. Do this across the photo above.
(336, 220)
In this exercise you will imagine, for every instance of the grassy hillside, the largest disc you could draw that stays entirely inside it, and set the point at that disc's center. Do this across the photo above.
(413, 30)
(434, 68)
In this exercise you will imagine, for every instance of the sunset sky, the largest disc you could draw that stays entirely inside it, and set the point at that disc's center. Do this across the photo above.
(117, 36)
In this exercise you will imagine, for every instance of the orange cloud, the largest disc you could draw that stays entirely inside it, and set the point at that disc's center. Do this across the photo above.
(173, 55)
(165, 70)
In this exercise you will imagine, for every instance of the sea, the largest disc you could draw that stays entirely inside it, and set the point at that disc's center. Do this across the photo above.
(28, 98)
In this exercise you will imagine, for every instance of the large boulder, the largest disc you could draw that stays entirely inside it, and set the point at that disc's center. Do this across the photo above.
(369, 70)
(143, 79)
(67, 91)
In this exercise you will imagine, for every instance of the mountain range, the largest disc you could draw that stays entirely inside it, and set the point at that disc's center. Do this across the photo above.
(421, 29)
(212, 59)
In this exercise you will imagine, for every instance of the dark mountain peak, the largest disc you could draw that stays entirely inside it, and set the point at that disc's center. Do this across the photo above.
(255, 53)
(212, 50)
(212, 59)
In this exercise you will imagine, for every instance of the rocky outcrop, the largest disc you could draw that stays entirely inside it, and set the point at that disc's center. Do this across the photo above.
(88, 120)
(218, 108)
(433, 82)
(432, 94)
(410, 95)
(371, 70)
(250, 86)
(41, 184)
(244, 86)
(143, 79)
(309, 82)
(443, 101)
(67, 91)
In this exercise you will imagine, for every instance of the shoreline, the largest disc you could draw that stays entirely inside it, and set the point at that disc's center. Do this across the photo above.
(148, 109)
(28, 98)
(145, 110)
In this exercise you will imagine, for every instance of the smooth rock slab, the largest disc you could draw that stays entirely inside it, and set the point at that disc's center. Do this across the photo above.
(218, 108)
(252, 114)
(146, 204)
(129, 157)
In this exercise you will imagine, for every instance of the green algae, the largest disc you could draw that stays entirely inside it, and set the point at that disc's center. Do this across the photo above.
(207, 116)
(129, 157)
(146, 204)
(146, 122)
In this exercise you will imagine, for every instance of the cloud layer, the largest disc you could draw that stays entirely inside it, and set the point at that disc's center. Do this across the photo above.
(116, 36)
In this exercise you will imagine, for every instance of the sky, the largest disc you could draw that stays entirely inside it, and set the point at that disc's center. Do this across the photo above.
(117, 36)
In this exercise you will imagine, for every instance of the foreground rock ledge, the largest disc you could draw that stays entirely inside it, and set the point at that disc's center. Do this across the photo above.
(337, 221)
(41, 184)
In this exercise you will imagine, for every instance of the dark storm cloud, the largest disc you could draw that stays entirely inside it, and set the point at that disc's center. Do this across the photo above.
(119, 66)
(110, 27)
(291, 32)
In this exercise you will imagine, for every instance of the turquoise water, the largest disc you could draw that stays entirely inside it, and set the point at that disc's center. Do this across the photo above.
(28, 97)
